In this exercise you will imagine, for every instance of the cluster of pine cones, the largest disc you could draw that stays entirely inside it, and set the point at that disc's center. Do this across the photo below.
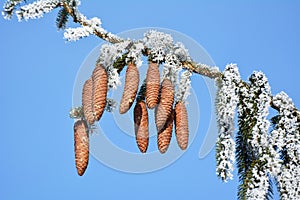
(153, 94)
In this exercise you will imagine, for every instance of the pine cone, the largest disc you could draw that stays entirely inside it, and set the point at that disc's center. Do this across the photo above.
(165, 104)
(165, 135)
(81, 145)
(87, 101)
(130, 89)
(99, 78)
(152, 85)
(181, 125)
(141, 125)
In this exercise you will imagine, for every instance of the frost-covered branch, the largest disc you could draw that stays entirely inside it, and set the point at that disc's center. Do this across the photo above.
(286, 138)
(36, 9)
(260, 155)
(109, 53)
(258, 185)
(226, 103)
(184, 87)
(9, 8)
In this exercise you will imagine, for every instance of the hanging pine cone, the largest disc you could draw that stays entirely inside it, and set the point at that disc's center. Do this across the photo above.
(165, 135)
(181, 125)
(152, 85)
(130, 89)
(81, 145)
(141, 125)
(99, 78)
(165, 104)
(87, 101)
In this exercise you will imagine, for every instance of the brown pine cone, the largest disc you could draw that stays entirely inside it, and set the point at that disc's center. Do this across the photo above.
(87, 101)
(99, 90)
(165, 135)
(152, 85)
(141, 125)
(81, 145)
(130, 89)
(165, 104)
(181, 125)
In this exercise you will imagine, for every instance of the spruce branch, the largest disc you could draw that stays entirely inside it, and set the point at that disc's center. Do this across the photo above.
(62, 19)
(260, 156)
(9, 8)
(71, 7)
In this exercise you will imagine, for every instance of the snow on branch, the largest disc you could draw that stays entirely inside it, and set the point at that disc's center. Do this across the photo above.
(9, 7)
(259, 183)
(253, 139)
(109, 53)
(159, 44)
(184, 86)
(135, 53)
(74, 34)
(286, 138)
(260, 89)
(172, 67)
(226, 104)
(36, 9)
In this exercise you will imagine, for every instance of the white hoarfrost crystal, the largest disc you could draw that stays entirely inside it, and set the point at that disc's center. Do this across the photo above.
(260, 89)
(226, 103)
(184, 86)
(158, 43)
(171, 69)
(255, 103)
(109, 53)
(258, 185)
(111, 105)
(286, 138)
(289, 182)
(181, 52)
(36, 9)
(76, 113)
(73, 34)
(135, 54)
(9, 8)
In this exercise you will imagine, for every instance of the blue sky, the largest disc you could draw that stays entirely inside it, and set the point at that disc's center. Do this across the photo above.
(39, 70)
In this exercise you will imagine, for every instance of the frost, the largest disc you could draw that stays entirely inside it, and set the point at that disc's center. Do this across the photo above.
(286, 138)
(109, 53)
(226, 103)
(36, 9)
(111, 105)
(171, 69)
(74, 34)
(76, 113)
(158, 43)
(181, 52)
(135, 54)
(253, 111)
(9, 8)
(258, 185)
(226, 156)
(261, 91)
(184, 86)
